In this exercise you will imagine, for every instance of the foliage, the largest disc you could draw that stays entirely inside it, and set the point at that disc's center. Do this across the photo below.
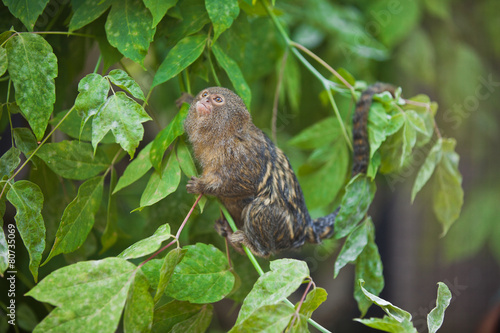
(192, 43)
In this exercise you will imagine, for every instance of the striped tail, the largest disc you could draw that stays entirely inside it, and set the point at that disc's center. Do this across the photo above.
(361, 145)
(322, 227)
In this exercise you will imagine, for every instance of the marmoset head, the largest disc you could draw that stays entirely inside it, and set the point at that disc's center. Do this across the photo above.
(217, 109)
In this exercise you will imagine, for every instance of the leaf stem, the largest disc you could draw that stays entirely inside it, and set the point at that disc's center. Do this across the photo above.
(176, 237)
(277, 94)
(259, 269)
(37, 148)
(327, 84)
(98, 63)
(328, 67)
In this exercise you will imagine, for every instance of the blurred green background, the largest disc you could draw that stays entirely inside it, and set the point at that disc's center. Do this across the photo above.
(447, 49)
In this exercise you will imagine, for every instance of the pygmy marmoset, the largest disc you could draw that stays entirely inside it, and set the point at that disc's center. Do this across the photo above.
(253, 178)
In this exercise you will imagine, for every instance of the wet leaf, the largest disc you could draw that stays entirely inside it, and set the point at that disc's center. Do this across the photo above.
(147, 245)
(121, 79)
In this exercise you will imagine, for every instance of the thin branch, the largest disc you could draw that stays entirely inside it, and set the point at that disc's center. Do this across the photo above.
(324, 64)
(277, 94)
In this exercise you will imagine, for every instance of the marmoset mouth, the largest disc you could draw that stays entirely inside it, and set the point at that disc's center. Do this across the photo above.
(203, 110)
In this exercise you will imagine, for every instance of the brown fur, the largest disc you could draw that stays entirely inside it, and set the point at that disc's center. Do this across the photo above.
(252, 177)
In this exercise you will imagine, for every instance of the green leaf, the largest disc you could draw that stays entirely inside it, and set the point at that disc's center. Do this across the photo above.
(233, 71)
(87, 12)
(78, 218)
(110, 233)
(185, 159)
(129, 29)
(166, 136)
(322, 185)
(369, 269)
(138, 315)
(25, 140)
(73, 159)
(448, 192)
(317, 135)
(4, 249)
(161, 184)
(203, 276)
(34, 84)
(435, 318)
(353, 246)
(9, 162)
(427, 169)
(73, 290)
(159, 8)
(121, 79)
(27, 198)
(93, 90)
(172, 259)
(388, 324)
(124, 117)
(285, 276)
(292, 81)
(313, 300)
(3, 61)
(181, 316)
(391, 310)
(136, 169)
(355, 203)
(398, 147)
(266, 319)
(183, 54)
(27, 11)
(222, 13)
(147, 245)
(191, 16)
(393, 23)
(377, 124)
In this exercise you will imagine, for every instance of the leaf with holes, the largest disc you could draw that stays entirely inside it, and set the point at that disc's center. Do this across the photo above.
(34, 84)
(124, 117)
